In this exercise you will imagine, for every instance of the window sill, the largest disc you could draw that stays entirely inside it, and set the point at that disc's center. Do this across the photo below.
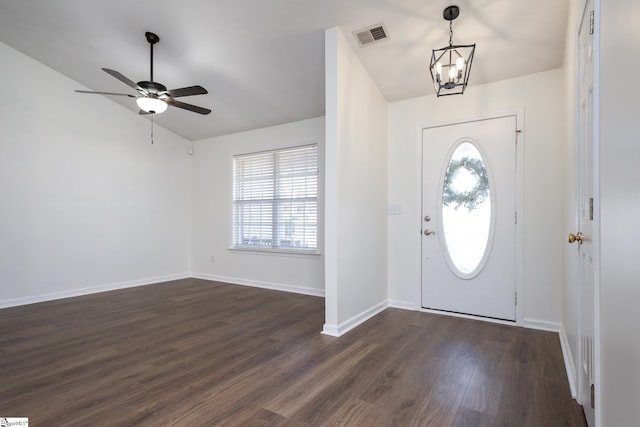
(276, 252)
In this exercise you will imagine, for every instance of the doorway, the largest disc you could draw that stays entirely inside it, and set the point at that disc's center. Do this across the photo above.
(469, 218)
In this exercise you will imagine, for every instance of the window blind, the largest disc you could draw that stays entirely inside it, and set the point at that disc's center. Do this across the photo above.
(275, 199)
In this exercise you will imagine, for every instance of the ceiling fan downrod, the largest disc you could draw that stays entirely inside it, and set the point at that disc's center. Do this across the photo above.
(151, 87)
(152, 39)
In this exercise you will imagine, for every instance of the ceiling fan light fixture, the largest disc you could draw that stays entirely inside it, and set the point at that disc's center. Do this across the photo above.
(451, 65)
(154, 98)
(151, 105)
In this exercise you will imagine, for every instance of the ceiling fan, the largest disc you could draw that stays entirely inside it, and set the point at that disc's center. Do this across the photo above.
(153, 97)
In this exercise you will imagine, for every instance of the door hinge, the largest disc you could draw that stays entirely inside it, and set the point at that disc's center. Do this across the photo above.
(593, 396)
(592, 22)
(591, 208)
(515, 302)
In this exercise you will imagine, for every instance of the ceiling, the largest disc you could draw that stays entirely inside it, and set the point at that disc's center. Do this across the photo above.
(262, 61)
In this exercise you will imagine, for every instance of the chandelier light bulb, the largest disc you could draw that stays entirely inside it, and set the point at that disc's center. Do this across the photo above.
(453, 73)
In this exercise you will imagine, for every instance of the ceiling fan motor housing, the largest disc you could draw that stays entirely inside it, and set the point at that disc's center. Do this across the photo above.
(152, 87)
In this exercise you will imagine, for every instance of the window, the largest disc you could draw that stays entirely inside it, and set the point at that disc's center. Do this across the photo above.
(466, 211)
(275, 200)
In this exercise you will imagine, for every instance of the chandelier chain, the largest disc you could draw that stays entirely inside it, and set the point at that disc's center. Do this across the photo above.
(450, 34)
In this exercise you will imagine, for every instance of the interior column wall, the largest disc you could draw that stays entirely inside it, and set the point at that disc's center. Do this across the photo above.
(356, 190)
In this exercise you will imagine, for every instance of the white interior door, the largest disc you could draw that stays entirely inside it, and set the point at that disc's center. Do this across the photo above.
(583, 239)
(469, 218)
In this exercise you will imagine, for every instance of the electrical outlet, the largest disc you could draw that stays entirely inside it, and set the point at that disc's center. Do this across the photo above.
(394, 210)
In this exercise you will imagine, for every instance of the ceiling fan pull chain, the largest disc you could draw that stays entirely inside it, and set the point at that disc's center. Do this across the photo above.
(152, 129)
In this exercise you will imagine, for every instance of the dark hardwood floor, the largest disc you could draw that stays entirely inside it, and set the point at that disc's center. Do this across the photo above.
(197, 353)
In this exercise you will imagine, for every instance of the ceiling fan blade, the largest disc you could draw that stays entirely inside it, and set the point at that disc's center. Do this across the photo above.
(185, 106)
(106, 93)
(123, 79)
(186, 91)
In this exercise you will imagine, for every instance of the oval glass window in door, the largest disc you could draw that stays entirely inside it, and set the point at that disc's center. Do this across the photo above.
(466, 211)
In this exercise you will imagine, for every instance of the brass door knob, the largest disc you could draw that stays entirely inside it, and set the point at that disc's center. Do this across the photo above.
(575, 238)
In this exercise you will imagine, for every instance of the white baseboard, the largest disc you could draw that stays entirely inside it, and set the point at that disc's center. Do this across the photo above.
(564, 345)
(330, 330)
(568, 362)
(358, 319)
(541, 325)
(404, 305)
(91, 290)
(259, 284)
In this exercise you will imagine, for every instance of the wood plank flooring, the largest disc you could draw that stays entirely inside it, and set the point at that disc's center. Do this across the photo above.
(198, 353)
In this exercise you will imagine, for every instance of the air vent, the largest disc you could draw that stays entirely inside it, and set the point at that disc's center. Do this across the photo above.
(370, 35)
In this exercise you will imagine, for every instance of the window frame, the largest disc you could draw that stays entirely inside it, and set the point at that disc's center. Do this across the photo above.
(276, 204)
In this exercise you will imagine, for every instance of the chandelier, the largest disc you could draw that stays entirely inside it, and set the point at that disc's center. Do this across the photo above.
(450, 65)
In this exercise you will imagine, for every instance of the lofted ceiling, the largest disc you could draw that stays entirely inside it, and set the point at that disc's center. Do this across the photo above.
(262, 61)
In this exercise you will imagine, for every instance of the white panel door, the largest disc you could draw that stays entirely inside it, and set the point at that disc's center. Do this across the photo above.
(583, 239)
(460, 218)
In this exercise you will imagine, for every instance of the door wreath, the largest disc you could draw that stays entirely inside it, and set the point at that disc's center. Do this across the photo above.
(477, 194)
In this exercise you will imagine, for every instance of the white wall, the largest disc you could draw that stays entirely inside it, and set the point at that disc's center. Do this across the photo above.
(619, 384)
(87, 202)
(356, 189)
(541, 95)
(211, 257)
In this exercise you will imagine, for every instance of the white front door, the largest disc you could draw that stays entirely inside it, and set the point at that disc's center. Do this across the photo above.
(583, 239)
(469, 218)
